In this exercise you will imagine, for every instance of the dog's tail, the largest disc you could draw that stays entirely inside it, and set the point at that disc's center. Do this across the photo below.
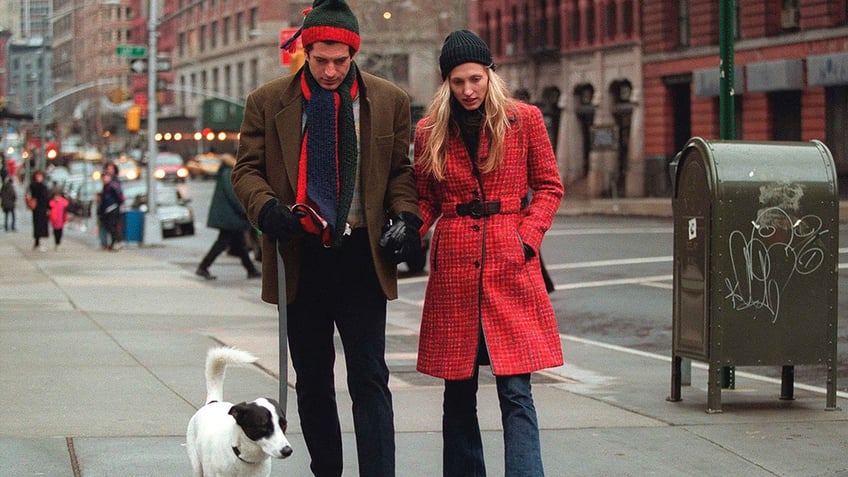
(217, 360)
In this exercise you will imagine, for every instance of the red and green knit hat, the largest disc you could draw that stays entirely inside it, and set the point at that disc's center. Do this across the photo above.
(328, 20)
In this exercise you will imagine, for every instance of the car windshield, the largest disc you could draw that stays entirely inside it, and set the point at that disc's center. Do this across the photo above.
(136, 194)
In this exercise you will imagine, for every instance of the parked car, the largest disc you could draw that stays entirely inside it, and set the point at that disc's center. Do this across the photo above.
(128, 168)
(203, 166)
(175, 215)
(169, 166)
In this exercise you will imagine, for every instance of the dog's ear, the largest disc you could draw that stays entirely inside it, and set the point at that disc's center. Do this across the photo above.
(237, 411)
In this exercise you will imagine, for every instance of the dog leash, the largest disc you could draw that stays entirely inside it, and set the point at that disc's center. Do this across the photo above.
(282, 315)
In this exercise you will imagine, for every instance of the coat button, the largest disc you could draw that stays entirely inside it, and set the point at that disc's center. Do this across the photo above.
(475, 228)
(476, 264)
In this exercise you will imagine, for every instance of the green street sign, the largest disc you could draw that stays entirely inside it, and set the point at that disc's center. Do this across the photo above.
(131, 51)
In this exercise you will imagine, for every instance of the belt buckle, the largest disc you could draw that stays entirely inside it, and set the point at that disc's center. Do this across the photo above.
(475, 208)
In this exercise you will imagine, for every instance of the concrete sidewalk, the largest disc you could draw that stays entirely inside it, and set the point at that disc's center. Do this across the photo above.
(101, 367)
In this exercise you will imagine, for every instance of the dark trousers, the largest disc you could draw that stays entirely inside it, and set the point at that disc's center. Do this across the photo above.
(9, 214)
(339, 287)
(234, 240)
(112, 222)
(57, 236)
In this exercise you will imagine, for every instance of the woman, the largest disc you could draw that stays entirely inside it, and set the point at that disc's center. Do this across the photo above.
(477, 153)
(38, 198)
(109, 209)
(227, 215)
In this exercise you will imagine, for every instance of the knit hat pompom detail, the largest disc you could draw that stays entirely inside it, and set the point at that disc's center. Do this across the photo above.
(331, 20)
(463, 46)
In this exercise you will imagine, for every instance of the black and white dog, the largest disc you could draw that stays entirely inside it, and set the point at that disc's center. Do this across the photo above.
(238, 440)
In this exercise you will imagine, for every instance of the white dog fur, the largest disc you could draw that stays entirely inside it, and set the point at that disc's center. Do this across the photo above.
(234, 440)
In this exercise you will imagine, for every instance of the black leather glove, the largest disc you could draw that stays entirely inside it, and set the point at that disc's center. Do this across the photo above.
(401, 239)
(278, 221)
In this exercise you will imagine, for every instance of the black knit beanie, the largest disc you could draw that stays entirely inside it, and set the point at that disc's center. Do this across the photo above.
(463, 46)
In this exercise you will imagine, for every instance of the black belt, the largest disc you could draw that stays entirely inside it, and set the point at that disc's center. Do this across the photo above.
(478, 209)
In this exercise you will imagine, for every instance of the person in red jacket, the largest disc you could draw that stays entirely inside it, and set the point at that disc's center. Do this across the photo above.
(477, 153)
(58, 215)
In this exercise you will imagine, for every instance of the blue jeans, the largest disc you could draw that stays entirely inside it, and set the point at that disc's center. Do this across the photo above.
(463, 445)
(338, 287)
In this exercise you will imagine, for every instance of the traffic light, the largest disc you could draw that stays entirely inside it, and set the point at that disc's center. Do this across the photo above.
(51, 151)
(133, 118)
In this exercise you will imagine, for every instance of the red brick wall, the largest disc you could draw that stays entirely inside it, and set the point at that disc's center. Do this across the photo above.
(755, 125)
(703, 23)
(659, 25)
(705, 117)
(813, 114)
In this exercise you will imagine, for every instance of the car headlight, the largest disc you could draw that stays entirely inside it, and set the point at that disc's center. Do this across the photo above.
(182, 172)
(159, 174)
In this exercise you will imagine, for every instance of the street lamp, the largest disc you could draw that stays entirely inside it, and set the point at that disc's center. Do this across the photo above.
(152, 226)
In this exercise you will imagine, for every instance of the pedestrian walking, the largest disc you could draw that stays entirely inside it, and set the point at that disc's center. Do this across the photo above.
(37, 199)
(477, 153)
(8, 198)
(227, 215)
(103, 232)
(109, 209)
(323, 167)
(58, 215)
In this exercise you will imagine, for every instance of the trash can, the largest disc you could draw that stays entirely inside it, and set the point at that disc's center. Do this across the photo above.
(756, 235)
(133, 225)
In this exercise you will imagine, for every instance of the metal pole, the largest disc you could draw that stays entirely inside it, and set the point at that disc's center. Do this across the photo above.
(152, 226)
(727, 118)
(726, 70)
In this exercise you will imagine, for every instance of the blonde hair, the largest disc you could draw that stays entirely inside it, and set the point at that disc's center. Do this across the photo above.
(498, 105)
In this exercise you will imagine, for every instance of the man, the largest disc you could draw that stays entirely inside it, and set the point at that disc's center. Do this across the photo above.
(323, 171)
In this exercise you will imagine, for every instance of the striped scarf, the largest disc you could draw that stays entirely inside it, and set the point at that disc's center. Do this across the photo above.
(328, 156)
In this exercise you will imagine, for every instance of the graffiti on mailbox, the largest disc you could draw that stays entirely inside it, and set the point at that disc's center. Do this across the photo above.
(765, 259)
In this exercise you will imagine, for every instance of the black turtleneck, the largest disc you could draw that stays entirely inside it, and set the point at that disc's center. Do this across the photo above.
(469, 124)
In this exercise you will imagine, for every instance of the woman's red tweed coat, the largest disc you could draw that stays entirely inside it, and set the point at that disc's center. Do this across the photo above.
(477, 267)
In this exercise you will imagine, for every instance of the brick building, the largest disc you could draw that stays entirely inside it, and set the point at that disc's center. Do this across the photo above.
(581, 62)
(791, 73)
(624, 84)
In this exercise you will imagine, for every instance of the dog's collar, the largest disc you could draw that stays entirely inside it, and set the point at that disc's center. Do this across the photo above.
(237, 452)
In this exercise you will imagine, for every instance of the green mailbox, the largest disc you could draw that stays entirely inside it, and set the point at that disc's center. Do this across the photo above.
(756, 235)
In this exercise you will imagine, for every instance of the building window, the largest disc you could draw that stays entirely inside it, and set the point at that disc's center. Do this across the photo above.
(240, 79)
(203, 37)
(575, 22)
(254, 74)
(557, 25)
(789, 15)
(513, 32)
(228, 80)
(394, 67)
(590, 23)
(213, 35)
(612, 20)
(239, 26)
(627, 15)
(226, 32)
(252, 25)
(683, 22)
(542, 25)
